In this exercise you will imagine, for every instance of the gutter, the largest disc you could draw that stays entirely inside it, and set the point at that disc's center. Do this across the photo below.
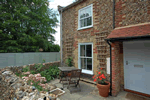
(110, 93)
(145, 37)
(71, 5)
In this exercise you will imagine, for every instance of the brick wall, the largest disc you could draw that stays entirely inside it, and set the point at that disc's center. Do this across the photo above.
(130, 12)
(116, 69)
(102, 26)
(127, 12)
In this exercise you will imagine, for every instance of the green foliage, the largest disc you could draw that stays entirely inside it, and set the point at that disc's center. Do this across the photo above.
(69, 61)
(25, 25)
(52, 48)
(43, 61)
(36, 85)
(26, 69)
(17, 74)
(51, 73)
(20, 75)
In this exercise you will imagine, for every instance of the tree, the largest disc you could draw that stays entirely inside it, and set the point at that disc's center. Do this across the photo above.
(25, 25)
(52, 48)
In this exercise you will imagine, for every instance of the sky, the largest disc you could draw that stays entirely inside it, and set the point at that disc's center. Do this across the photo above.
(53, 4)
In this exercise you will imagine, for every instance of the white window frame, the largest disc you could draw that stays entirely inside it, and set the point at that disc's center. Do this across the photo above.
(79, 28)
(79, 61)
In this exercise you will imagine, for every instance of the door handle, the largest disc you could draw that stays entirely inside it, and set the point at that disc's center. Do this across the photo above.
(126, 62)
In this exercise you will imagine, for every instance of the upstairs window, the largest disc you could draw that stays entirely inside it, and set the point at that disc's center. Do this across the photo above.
(85, 18)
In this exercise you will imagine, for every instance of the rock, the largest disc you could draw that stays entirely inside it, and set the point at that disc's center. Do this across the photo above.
(42, 95)
(40, 98)
(25, 98)
(16, 85)
(12, 80)
(14, 98)
(33, 88)
(52, 86)
(6, 73)
(32, 97)
(22, 88)
(20, 94)
(30, 94)
(13, 86)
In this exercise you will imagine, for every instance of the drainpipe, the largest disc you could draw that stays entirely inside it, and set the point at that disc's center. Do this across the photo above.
(110, 70)
(61, 33)
(110, 49)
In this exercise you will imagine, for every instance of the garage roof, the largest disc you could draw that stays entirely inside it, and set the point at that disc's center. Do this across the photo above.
(138, 30)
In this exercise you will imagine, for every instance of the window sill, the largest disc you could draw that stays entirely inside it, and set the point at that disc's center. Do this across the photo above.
(87, 72)
(85, 27)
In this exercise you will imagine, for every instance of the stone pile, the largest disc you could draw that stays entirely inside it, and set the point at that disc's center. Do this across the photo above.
(13, 87)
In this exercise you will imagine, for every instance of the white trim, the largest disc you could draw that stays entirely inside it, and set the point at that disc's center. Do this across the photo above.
(87, 71)
(79, 28)
(108, 65)
(79, 61)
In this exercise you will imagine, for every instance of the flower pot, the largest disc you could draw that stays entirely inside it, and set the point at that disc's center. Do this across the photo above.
(103, 89)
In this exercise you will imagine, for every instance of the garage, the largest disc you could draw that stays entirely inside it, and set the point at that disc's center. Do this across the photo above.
(137, 66)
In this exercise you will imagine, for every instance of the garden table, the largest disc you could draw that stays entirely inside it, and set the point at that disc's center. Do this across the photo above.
(64, 71)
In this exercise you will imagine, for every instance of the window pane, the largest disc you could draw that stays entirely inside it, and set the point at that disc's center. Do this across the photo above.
(83, 63)
(88, 11)
(89, 63)
(85, 22)
(81, 14)
(88, 50)
(82, 23)
(82, 50)
(89, 21)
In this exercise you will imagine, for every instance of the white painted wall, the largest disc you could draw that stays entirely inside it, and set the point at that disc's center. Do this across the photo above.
(137, 71)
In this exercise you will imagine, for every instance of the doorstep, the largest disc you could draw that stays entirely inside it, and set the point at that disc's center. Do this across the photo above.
(87, 81)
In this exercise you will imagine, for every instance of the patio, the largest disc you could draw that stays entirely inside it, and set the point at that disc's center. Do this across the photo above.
(90, 92)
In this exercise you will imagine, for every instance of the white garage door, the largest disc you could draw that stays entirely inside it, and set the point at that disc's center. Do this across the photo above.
(137, 66)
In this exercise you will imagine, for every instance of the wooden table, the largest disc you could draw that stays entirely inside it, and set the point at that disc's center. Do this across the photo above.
(64, 71)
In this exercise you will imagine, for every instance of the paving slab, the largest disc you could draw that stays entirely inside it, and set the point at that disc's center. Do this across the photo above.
(88, 92)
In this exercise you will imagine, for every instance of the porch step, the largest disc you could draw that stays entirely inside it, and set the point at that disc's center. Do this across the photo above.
(88, 81)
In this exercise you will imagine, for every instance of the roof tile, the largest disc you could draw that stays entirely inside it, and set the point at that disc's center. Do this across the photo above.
(140, 30)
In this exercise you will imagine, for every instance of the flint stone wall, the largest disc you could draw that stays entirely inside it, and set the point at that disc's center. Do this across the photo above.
(14, 88)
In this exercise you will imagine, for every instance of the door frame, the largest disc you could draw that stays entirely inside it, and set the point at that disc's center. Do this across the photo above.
(79, 61)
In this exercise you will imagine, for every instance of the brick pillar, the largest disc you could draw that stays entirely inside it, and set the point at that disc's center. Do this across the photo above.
(116, 70)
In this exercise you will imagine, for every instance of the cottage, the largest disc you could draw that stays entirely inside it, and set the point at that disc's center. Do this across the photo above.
(109, 34)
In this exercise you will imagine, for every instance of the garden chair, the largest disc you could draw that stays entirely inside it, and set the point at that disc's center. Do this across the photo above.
(74, 79)
(63, 78)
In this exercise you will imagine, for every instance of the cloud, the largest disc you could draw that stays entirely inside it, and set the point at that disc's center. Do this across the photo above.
(57, 35)
(55, 3)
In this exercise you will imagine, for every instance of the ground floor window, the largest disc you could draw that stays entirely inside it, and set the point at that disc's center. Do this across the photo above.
(85, 57)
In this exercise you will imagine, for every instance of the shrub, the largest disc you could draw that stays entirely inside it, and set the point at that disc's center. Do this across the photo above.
(69, 61)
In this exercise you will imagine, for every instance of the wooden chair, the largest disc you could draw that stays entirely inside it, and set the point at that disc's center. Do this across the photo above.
(74, 79)
(63, 76)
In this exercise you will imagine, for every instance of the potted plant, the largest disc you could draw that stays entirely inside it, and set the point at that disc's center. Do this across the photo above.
(102, 85)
